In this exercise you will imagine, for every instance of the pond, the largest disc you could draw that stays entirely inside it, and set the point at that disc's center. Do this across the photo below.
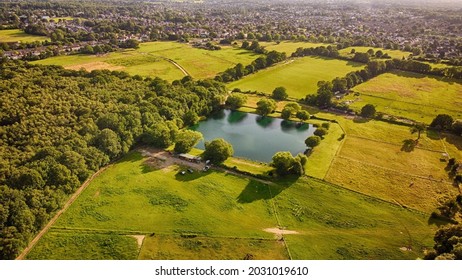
(255, 137)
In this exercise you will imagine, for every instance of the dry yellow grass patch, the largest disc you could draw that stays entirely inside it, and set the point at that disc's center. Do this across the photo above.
(97, 65)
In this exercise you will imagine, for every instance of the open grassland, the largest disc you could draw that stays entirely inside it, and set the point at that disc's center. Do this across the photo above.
(410, 95)
(376, 159)
(215, 215)
(75, 245)
(398, 54)
(289, 47)
(17, 35)
(248, 166)
(207, 248)
(322, 155)
(152, 60)
(391, 185)
(299, 76)
(164, 201)
(335, 223)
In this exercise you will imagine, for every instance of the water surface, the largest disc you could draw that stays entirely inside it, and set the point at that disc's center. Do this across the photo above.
(255, 137)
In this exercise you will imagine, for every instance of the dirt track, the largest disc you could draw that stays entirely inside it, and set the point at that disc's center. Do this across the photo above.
(60, 212)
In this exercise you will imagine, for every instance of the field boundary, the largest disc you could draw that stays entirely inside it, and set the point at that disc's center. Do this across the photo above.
(59, 213)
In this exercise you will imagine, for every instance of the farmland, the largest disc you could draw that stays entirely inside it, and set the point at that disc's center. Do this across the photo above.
(208, 215)
(16, 35)
(152, 60)
(410, 95)
(299, 76)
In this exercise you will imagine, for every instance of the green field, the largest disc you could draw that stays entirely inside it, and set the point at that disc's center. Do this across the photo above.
(398, 54)
(17, 35)
(209, 215)
(299, 76)
(410, 95)
(150, 60)
(289, 47)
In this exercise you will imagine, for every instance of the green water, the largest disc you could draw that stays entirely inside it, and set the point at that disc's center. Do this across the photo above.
(255, 137)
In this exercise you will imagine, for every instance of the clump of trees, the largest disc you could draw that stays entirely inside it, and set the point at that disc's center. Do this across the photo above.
(236, 100)
(186, 140)
(280, 93)
(237, 72)
(368, 111)
(218, 150)
(448, 244)
(59, 126)
(265, 106)
(286, 164)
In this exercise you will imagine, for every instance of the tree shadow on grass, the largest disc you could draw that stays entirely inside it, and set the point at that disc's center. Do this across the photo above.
(439, 221)
(408, 145)
(257, 190)
(361, 120)
(187, 176)
(454, 140)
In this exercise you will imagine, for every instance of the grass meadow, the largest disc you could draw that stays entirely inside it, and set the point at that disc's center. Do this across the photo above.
(299, 76)
(289, 47)
(150, 60)
(410, 95)
(209, 215)
(17, 35)
(398, 54)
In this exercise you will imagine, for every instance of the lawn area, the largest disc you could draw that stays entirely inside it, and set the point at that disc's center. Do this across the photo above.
(17, 35)
(150, 60)
(215, 215)
(398, 54)
(410, 95)
(289, 47)
(299, 76)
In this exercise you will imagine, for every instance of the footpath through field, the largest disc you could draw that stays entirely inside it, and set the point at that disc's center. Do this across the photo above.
(60, 212)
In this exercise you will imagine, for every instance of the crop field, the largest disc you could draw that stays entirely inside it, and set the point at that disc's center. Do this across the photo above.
(299, 76)
(209, 215)
(152, 60)
(414, 96)
(289, 47)
(17, 35)
(398, 54)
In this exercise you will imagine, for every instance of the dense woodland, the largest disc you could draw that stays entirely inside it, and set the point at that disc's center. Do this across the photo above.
(58, 126)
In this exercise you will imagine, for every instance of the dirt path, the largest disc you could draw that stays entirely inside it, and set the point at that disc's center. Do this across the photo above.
(60, 212)
(177, 66)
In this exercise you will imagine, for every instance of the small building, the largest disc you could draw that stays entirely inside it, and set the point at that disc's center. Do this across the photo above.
(189, 157)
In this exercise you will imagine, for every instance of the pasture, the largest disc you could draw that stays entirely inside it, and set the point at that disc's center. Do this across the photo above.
(17, 35)
(410, 95)
(209, 215)
(289, 47)
(375, 160)
(152, 60)
(398, 54)
(299, 76)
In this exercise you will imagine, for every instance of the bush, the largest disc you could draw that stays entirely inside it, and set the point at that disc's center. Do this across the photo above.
(320, 131)
(326, 125)
(368, 111)
(313, 141)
